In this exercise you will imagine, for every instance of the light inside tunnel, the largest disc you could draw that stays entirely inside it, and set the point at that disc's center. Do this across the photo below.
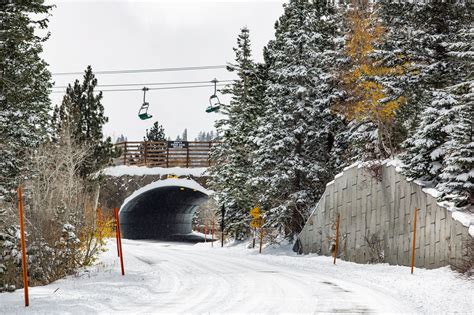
(162, 210)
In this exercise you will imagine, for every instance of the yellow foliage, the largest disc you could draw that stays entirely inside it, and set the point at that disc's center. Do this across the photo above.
(367, 97)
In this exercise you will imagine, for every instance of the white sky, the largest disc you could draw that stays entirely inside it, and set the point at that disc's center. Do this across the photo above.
(116, 35)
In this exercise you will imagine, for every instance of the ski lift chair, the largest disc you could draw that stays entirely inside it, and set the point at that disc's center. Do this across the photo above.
(143, 111)
(214, 102)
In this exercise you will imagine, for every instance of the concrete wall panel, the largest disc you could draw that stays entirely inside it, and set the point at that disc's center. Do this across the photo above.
(385, 207)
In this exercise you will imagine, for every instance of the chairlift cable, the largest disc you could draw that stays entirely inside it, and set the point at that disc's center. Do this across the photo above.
(149, 84)
(158, 88)
(146, 70)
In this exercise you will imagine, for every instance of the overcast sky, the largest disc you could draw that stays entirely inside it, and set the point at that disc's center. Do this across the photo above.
(116, 35)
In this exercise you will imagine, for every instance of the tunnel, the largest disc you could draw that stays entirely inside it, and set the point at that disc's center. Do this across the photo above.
(162, 210)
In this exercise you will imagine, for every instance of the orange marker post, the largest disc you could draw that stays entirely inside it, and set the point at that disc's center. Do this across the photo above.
(212, 241)
(23, 247)
(337, 237)
(414, 242)
(119, 240)
(116, 231)
(99, 222)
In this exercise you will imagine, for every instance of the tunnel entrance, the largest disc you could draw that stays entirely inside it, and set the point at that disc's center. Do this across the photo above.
(162, 210)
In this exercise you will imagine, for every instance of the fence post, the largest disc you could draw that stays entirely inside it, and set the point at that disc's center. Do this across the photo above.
(336, 249)
(125, 153)
(116, 210)
(23, 247)
(414, 241)
(187, 156)
(209, 154)
(145, 150)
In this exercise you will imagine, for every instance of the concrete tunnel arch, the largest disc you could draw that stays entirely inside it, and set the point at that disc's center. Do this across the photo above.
(162, 210)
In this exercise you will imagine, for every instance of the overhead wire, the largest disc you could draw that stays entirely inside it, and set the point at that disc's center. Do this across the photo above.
(151, 89)
(149, 84)
(146, 70)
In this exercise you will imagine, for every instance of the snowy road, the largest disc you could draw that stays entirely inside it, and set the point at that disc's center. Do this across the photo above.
(185, 278)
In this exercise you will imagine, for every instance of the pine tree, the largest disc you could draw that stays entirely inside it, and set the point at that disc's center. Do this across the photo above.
(457, 176)
(442, 60)
(156, 133)
(25, 83)
(82, 113)
(297, 132)
(425, 150)
(121, 138)
(233, 165)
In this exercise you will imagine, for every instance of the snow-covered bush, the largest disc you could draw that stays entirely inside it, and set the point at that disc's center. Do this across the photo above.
(60, 219)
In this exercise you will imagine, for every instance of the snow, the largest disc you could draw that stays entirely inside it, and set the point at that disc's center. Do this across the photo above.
(169, 182)
(464, 218)
(182, 278)
(432, 192)
(122, 170)
(351, 166)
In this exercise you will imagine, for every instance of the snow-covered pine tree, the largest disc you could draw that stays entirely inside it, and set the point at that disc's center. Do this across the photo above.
(83, 113)
(297, 131)
(426, 148)
(25, 83)
(441, 63)
(233, 165)
(457, 175)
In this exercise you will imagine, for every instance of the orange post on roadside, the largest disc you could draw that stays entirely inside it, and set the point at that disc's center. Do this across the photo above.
(414, 241)
(99, 222)
(119, 239)
(23, 247)
(212, 240)
(337, 237)
(116, 232)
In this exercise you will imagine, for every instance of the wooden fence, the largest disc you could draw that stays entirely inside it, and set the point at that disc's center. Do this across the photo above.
(188, 154)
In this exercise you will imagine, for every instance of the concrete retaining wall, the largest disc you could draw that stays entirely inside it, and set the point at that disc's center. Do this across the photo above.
(385, 207)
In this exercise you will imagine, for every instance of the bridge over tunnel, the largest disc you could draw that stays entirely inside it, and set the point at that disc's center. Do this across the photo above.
(162, 210)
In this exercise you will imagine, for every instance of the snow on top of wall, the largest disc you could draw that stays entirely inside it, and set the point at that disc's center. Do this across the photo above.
(170, 182)
(466, 219)
(122, 170)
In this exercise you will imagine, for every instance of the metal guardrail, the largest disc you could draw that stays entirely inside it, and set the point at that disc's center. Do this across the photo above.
(187, 154)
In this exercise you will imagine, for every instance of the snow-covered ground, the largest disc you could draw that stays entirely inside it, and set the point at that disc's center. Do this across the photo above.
(163, 277)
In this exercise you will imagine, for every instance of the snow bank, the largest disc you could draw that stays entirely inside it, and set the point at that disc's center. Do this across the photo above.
(171, 278)
(170, 182)
(122, 170)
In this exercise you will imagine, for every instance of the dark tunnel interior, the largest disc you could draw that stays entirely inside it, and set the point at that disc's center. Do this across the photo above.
(162, 213)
